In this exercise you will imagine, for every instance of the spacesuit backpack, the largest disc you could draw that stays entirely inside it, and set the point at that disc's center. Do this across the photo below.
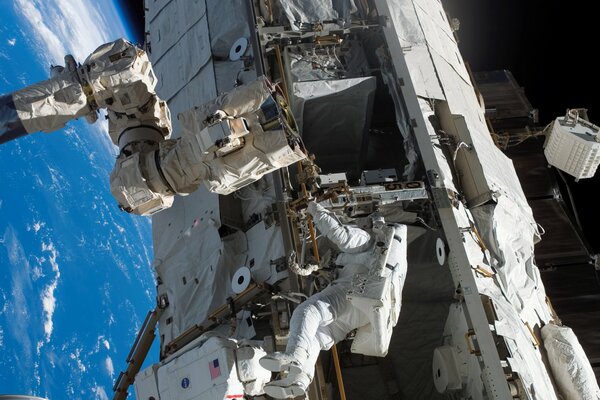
(378, 292)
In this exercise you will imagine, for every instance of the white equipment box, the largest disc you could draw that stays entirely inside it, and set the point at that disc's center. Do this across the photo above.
(573, 146)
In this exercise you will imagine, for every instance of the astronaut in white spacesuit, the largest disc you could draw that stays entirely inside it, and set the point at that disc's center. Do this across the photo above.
(328, 316)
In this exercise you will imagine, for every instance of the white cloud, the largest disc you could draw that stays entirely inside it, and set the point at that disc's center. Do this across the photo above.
(73, 27)
(38, 225)
(23, 79)
(100, 393)
(37, 273)
(49, 305)
(12, 42)
(76, 356)
(4, 299)
(104, 138)
(101, 342)
(53, 255)
(110, 369)
(17, 310)
(54, 49)
(47, 296)
(36, 373)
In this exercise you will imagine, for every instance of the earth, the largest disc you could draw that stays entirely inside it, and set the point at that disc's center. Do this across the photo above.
(75, 277)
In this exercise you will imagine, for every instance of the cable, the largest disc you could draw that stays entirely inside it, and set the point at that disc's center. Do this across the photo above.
(541, 228)
(422, 221)
(291, 296)
(458, 147)
(571, 199)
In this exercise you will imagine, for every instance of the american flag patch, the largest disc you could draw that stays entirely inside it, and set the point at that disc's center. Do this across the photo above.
(213, 367)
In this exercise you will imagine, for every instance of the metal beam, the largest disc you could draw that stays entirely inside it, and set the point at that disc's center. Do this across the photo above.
(137, 355)
(489, 360)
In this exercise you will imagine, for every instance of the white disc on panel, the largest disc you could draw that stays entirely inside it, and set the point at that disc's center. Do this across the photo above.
(440, 251)
(446, 376)
(440, 372)
(240, 280)
(238, 49)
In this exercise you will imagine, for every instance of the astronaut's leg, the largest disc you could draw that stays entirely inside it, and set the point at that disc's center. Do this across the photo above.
(308, 367)
(309, 333)
(308, 317)
(298, 378)
(307, 323)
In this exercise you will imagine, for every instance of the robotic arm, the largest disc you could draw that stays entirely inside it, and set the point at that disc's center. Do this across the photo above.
(227, 143)
(117, 76)
(24, 111)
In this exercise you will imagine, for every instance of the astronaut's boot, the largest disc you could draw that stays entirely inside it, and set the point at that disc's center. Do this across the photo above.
(294, 385)
(279, 361)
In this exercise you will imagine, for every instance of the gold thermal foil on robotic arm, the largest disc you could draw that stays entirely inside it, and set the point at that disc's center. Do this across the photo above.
(45, 106)
(226, 144)
(242, 135)
(117, 76)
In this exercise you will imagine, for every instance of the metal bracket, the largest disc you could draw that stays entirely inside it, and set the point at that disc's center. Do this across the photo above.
(470, 342)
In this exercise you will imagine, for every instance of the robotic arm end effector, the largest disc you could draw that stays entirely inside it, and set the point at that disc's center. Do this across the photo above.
(132, 190)
(116, 76)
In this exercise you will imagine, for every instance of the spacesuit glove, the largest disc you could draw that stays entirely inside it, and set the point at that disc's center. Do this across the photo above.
(313, 208)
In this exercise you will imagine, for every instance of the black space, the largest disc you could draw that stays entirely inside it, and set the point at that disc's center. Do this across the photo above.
(549, 46)
(134, 12)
